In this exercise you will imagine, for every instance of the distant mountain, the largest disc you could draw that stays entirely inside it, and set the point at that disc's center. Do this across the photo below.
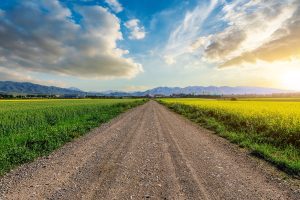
(111, 91)
(9, 87)
(75, 89)
(210, 90)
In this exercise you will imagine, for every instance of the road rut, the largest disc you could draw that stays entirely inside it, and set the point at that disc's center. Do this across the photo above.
(148, 152)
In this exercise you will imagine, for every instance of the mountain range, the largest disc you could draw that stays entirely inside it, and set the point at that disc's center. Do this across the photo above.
(212, 90)
(9, 87)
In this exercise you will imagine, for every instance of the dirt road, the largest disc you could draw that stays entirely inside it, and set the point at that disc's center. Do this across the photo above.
(147, 153)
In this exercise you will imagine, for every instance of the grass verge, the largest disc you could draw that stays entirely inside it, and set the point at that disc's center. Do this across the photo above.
(31, 133)
(286, 157)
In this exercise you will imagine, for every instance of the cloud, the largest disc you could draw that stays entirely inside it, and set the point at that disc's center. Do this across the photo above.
(284, 45)
(41, 36)
(137, 32)
(225, 43)
(256, 30)
(7, 75)
(115, 5)
(187, 32)
(22, 76)
(169, 59)
(134, 88)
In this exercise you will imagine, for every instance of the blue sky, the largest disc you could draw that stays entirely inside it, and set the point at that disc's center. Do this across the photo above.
(98, 45)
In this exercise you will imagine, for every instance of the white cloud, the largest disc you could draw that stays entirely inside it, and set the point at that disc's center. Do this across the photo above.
(254, 27)
(22, 76)
(279, 42)
(186, 33)
(35, 40)
(253, 31)
(169, 60)
(115, 5)
(134, 88)
(137, 32)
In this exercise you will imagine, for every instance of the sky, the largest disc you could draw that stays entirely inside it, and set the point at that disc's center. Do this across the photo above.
(134, 45)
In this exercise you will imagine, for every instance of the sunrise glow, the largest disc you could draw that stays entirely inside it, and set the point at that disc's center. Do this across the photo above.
(291, 80)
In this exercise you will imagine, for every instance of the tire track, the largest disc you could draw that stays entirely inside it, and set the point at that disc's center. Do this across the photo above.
(98, 173)
(224, 170)
(192, 185)
(44, 176)
(147, 153)
(145, 167)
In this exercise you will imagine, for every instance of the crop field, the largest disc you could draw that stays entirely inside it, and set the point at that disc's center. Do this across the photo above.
(32, 128)
(270, 128)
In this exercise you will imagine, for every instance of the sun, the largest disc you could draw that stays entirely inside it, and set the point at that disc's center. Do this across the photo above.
(291, 80)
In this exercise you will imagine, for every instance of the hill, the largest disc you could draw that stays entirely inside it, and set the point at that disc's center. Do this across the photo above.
(9, 87)
(211, 90)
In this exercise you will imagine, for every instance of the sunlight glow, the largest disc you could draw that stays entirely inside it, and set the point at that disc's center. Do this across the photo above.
(291, 80)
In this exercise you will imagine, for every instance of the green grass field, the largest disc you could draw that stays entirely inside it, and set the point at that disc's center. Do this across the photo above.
(33, 128)
(270, 128)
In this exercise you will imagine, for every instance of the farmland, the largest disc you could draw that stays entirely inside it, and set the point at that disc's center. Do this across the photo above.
(270, 128)
(32, 128)
(148, 152)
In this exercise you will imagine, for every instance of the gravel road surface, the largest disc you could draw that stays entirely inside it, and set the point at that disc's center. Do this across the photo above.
(148, 152)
